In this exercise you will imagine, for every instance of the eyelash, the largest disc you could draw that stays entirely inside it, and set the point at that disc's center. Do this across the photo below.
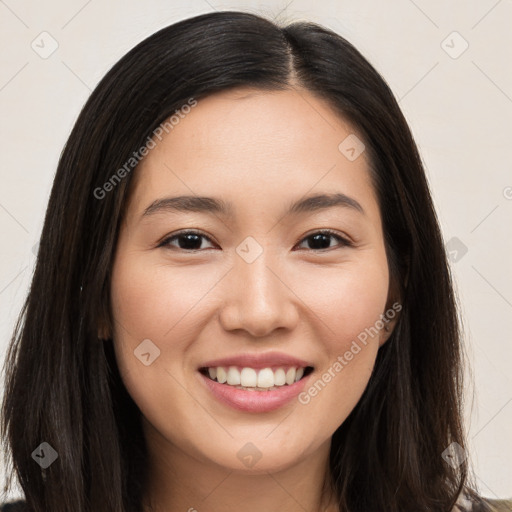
(344, 242)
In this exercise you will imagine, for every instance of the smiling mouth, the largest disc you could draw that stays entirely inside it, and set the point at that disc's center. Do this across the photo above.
(251, 379)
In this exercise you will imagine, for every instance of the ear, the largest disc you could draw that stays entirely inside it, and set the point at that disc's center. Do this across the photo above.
(104, 331)
(103, 334)
(391, 314)
(390, 319)
(103, 318)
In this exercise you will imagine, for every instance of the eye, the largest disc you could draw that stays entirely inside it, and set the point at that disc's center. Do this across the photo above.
(187, 241)
(192, 240)
(320, 240)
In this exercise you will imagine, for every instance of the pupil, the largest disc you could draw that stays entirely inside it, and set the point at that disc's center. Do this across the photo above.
(317, 238)
(190, 241)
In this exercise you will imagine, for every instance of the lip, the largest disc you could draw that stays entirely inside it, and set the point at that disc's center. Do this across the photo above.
(254, 401)
(257, 361)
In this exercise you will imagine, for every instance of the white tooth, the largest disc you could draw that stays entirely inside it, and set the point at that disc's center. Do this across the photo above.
(279, 377)
(221, 375)
(248, 377)
(233, 377)
(290, 376)
(265, 378)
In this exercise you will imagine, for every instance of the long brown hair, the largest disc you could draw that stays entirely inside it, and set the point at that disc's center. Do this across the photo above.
(62, 385)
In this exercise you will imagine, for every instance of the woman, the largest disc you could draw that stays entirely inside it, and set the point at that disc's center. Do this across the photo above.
(264, 370)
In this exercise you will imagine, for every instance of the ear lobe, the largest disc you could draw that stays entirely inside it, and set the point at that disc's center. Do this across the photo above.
(393, 307)
(387, 330)
(390, 318)
(103, 322)
(103, 331)
(102, 334)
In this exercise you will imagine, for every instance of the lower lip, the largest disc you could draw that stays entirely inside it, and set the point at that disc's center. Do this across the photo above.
(255, 401)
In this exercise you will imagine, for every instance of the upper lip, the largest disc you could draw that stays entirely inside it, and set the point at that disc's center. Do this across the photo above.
(257, 361)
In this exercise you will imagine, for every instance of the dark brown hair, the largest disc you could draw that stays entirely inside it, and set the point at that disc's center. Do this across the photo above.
(62, 385)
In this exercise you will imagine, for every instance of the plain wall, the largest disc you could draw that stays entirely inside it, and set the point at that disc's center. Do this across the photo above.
(458, 104)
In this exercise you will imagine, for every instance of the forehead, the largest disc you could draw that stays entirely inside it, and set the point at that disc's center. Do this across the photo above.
(249, 144)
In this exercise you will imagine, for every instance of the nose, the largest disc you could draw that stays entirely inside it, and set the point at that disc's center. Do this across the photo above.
(258, 299)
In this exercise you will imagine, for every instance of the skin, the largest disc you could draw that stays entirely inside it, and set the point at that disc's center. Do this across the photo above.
(260, 151)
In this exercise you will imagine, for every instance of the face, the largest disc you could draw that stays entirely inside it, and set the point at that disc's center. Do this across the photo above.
(259, 278)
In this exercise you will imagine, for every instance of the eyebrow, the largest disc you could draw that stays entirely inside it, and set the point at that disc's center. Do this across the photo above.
(202, 204)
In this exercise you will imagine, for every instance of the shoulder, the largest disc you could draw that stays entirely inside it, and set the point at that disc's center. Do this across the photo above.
(499, 505)
(13, 506)
(465, 503)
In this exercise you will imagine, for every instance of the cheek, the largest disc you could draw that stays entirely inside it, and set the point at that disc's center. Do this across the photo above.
(349, 304)
(153, 301)
(347, 300)
(159, 303)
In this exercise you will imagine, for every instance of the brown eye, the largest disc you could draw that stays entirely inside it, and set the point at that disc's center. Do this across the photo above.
(186, 241)
(322, 240)
(192, 241)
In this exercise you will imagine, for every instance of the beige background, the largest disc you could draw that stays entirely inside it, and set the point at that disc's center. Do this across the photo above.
(458, 104)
